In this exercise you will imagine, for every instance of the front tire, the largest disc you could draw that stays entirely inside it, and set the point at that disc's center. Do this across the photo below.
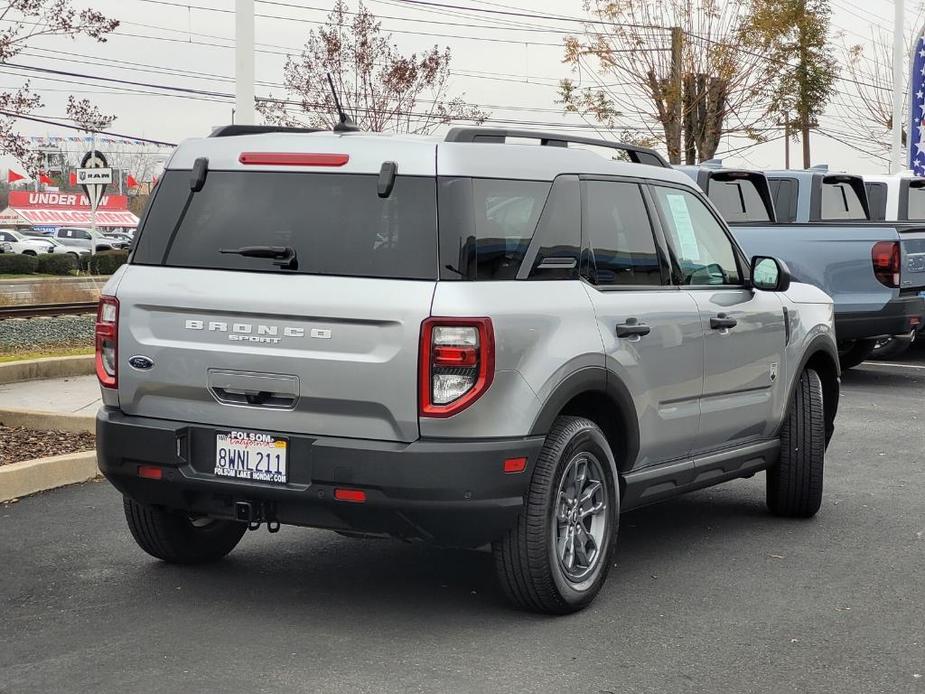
(795, 481)
(557, 556)
(178, 539)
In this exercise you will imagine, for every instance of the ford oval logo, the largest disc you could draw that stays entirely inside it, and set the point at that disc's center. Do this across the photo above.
(140, 362)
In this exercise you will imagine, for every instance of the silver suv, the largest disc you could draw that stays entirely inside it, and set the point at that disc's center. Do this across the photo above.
(467, 341)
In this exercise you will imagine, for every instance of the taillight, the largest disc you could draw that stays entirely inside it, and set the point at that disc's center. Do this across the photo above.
(107, 341)
(887, 261)
(457, 364)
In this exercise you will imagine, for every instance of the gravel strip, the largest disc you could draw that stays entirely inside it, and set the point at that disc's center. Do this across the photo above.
(33, 334)
(18, 444)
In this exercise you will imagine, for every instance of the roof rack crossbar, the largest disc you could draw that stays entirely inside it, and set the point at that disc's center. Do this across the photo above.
(235, 130)
(638, 155)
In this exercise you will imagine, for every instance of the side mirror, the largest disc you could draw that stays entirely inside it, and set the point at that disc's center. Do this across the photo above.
(770, 274)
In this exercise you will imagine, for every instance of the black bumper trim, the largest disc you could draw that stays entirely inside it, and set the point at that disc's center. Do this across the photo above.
(450, 491)
(895, 318)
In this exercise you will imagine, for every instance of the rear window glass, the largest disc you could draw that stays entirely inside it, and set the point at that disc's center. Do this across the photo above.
(486, 225)
(738, 200)
(916, 211)
(336, 223)
(841, 201)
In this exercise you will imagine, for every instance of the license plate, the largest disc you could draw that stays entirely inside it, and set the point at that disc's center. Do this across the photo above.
(248, 455)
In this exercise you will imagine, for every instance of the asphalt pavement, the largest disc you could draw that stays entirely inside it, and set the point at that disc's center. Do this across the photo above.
(709, 594)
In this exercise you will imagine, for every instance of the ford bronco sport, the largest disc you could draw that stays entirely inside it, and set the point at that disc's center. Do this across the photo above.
(464, 341)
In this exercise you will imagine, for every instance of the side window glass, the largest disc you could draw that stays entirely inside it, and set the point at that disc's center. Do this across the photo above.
(83, 234)
(703, 251)
(619, 231)
(738, 200)
(554, 251)
(5, 237)
(784, 194)
(876, 199)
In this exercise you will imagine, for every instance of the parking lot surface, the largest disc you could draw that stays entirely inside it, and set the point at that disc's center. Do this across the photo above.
(709, 594)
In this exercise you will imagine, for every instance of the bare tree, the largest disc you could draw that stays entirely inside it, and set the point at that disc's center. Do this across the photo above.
(23, 21)
(87, 116)
(865, 99)
(679, 68)
(379, 87)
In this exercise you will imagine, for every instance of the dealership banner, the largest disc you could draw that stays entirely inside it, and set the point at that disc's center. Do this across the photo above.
(26, 199)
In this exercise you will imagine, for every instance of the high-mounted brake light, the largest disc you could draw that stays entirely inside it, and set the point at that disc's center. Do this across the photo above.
(107, 341)
(887, 260)
(292, 159)
(457, 364)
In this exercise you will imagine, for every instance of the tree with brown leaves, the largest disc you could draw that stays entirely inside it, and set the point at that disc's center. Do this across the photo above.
(379, 88)
(680, 69)
(24, 21)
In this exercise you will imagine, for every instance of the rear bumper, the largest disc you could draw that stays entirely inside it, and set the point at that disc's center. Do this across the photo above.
(447, 491)
(899, 316)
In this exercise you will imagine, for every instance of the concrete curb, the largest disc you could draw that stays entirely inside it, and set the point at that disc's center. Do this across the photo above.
(31, 476)
(48, 421)
(50, 367)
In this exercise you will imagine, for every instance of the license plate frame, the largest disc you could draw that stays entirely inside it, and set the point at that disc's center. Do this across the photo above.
(251, 456)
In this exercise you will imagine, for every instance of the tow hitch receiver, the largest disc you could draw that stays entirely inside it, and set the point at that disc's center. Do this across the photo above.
(256, 513)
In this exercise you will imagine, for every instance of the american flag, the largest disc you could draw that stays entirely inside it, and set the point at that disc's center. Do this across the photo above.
(916, 134)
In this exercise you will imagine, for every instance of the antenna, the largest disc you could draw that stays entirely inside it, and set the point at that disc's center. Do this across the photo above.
(344, 125)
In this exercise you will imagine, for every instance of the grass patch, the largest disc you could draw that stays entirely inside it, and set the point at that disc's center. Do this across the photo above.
(25, 277)
(62, 352)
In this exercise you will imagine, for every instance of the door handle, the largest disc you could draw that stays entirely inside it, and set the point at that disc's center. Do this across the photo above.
(632, 328)
(722, 322)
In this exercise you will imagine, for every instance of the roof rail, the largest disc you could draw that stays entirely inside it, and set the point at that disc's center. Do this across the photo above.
(234, 130)
(638, 155)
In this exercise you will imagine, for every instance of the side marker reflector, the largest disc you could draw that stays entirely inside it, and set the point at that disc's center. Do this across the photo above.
(151, 472)
(356, 496)
(514, 465)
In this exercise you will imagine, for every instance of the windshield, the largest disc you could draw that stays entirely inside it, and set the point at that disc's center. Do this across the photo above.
(336, 224)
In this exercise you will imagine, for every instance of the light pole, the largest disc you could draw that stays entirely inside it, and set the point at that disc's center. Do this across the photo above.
(244, 61)
(899, 86)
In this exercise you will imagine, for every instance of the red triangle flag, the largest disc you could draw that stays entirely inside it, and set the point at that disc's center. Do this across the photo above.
(154, 180)
(46, 179)
(131, 182)
(73, 178)
(12, 176)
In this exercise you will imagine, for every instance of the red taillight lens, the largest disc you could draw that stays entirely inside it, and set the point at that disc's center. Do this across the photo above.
(457, 364)
(150, 472)
(887, 260)
(107, 341)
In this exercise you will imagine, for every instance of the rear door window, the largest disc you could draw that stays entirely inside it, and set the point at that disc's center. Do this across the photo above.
(738, 200)
(784, 193)
(876, 200)
(619, 231)
(336, 223)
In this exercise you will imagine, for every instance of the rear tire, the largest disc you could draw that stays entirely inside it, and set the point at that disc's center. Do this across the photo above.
(177, 539)
(795, 481)
(546, 562)
(850, 354)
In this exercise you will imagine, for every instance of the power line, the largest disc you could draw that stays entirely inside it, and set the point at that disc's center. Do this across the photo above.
(75, 127)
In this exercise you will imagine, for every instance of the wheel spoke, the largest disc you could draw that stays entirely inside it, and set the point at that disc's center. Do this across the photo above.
(562, 510)
(593, 510)
(588, 493)
(588, 545)
(570, 549)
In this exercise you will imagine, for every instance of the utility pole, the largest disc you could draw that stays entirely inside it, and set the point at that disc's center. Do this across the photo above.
(244, 61)
(675, 89)
(787, 141)
(899, 86)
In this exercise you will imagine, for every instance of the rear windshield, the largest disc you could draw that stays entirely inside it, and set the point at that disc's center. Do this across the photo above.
(336, 223)
(738, 200)
(916, 208)
(841, 201)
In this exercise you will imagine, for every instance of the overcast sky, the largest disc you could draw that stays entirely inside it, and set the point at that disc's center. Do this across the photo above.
(513, 73)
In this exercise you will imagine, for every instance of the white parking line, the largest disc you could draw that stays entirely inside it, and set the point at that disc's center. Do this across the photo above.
(897, 366)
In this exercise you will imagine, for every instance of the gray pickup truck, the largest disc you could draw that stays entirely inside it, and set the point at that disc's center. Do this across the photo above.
(819, 223)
